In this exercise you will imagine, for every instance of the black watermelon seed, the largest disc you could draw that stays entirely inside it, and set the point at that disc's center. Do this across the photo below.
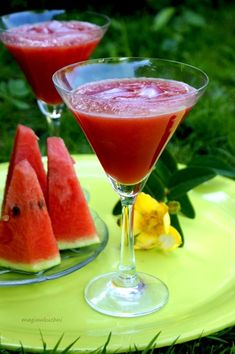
(41, 204)
(15, 211)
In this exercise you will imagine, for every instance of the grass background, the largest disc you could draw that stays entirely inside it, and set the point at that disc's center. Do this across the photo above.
(200, 33)
(203, 37)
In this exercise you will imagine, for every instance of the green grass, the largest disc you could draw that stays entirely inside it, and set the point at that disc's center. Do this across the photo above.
(206, 41)
(204, 38)
(218, 343)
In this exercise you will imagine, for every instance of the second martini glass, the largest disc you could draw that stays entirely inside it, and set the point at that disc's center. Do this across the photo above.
(129, 108)
(44, 41)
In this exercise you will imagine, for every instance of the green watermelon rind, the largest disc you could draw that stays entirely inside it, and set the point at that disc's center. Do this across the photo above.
(82, 242)
(33, 267)
(71, 261)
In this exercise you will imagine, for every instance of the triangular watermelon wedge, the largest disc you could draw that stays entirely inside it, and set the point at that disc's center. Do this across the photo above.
(26, 148)
(27, 241)
(70, 216)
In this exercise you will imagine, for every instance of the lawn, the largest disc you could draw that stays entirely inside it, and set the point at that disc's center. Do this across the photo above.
(197, 38)
(199, 35)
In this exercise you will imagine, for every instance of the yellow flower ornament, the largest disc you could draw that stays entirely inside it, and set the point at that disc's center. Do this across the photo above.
(152, 227)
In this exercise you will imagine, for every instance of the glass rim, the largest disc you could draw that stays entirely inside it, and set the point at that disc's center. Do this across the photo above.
(120, 59)
(60, 11)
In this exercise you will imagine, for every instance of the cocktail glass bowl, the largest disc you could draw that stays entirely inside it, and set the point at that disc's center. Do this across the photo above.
(41, 46)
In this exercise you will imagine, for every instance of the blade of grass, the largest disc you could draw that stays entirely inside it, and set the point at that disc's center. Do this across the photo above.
(43, 342)
(22, 350)
(152, 344)
(104, 350)
(65, 351)
(57, 344)
(169, 350)
(217, 339)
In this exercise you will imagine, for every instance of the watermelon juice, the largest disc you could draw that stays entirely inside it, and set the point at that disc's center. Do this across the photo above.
(129, 121)
(42, 48)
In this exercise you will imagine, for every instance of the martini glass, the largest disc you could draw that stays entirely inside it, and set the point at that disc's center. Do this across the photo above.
(128, 108)
(42, 42)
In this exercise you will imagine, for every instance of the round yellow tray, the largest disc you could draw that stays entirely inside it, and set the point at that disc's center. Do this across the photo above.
(200, 277)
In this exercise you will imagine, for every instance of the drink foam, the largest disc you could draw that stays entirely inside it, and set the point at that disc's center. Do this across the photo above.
(52, 33)
(133, 97)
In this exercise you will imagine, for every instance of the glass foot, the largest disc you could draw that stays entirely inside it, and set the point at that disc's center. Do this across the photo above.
(105, 296)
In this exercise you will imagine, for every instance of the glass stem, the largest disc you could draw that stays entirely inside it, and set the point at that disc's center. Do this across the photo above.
(127, 276)
(53, 116)
(54, 126)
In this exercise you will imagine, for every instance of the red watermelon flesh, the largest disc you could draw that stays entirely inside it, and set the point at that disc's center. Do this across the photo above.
(27, 241)
(26, 148)
(70, 216)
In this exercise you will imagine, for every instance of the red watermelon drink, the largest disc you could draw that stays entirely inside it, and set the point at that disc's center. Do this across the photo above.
(41, 43)
(128, 108)
(41, 49)
(129, 121)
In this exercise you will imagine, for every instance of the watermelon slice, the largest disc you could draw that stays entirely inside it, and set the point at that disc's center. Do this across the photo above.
(27, 241)
(70, 216)
(26, 147)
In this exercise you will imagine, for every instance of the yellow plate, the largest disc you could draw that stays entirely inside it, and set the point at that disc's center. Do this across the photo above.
(200, 277)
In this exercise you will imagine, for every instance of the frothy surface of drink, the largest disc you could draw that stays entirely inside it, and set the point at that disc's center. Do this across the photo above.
(52, 33)
(128, 97)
